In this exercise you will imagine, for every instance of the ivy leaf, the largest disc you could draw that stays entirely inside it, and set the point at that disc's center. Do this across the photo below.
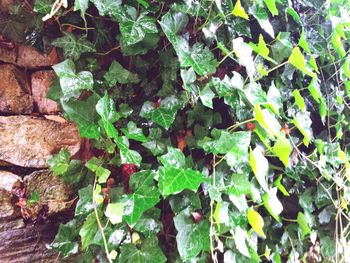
(59, 163)
(84, 204)
(238, 10)
(174, 157)
(88, 230)
(244, 53)
(114, 212)
(134, 133)
(263, 19)
(260, 167)
(73, 46)
(164, 115)
(84, 115)
(299, 100)
(106, 109)
(43, 6)
(173, 180)
(303, 225)
(134, 28)
(71, 83)
(149, 223)
(127, 155)
(303, 42)
(283, 149)
(224, 142)
(95, 165)
(107, 7)
(240, 238)
(282, 48)
(297, 60)
(206, 95)
(272, 204)
(65, 239)
(254, 93)
(267, 120)
(81, 5)
(271, 5)
(148, 252)
(191, 238)
(117, 73)
(145, 195)
(303, 122)
(256, 221)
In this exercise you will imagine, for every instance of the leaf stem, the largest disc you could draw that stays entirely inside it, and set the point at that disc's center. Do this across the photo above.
(236, 125)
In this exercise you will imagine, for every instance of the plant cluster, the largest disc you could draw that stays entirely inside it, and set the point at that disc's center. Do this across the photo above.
(220, 127)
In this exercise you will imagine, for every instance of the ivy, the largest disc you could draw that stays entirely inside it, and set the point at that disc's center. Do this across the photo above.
(219, 128)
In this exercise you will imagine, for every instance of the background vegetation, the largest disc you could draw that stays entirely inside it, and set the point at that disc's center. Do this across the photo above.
(220, 128)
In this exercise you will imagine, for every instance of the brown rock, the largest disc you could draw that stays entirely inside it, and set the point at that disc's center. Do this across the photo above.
(8, 181)
(8, 55)
(41, 81)
(5, 5)
(15, 95)
(53, 192)
(30, 141)
(29, 57)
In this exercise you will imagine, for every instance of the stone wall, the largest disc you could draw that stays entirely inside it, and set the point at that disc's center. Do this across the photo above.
(31, 131)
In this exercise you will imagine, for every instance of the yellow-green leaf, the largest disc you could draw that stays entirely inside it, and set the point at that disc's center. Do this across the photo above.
(299, 101)
(267, 120)
(238, 10)
(271, 5)
(282, 149)
(297, 60)
(260, 167)
(256, 221)
(303, 42)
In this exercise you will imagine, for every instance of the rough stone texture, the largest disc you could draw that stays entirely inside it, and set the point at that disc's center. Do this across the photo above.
(15, 95)
(28, 244)
(53, 192)
(5, 5)
(30, 141)
(41, 81)
(29, 57)
(8, 181)
(8, 55)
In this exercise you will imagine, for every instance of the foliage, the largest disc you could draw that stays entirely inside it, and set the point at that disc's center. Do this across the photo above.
(220, 128)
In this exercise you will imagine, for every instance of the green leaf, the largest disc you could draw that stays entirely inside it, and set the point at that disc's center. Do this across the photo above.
(127, 155)
(114, 212)
(244, 53)
(303, 42)
(43, 6)
(280, 186)
(282, 149)
(260, 167)
(84, 204)
(240, 185)
(88, 230)
(164, 115)
(328, 246)
(297, 60)
(106, 7)
(84, 115)
(134, 28)
(299, 100)
(149, 223)
(263, 19)
(224, 142)
(95, 165)
(173, 180)
(134, 133)
(271, 5)
(267, 120)
(145, 195)
(272, 204)
(174, 157)
(117, 74)
(238, 10)
(200, 58)
(106, 109)
(254, 93)
(240, 238)
(71, 83)
(73, 46)
(191, 238)
(314, 89)
(303, 122)
(206, 95)
(81, 5)
(34, 198)
(303, 225)
(282, 48)
(59, 163)
(256, 222)
(148, 252)
(65, 239)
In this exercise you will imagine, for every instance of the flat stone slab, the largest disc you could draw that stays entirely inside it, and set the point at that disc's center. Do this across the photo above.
(8, 181)
(15, 92)
(29, 141)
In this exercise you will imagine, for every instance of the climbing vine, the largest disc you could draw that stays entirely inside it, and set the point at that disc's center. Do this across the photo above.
(219, 129)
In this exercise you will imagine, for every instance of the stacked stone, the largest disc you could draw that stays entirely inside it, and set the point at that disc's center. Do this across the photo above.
(31, 131)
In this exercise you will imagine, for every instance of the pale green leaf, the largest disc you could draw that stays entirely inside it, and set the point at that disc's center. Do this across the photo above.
(260, 167)
(238, 10)
(256, 222)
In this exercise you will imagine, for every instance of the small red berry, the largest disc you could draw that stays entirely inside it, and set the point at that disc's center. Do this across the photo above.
(197, 217)
(250, 126)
